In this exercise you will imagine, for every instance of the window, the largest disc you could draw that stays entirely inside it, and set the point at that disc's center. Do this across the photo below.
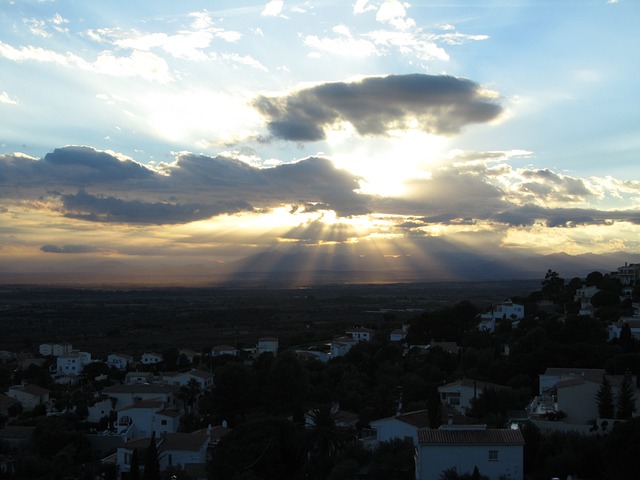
(163, 422)
(493, 455)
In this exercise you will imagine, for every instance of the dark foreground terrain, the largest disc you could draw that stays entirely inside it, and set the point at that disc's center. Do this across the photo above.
(131, 321)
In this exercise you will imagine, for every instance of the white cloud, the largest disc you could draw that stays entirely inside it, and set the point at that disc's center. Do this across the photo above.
(343, 46)
(362, 6)
(6, 99)
(393, 12)
(273, 8)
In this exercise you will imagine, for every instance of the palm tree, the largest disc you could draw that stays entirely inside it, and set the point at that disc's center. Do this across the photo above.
(324, 437)
(190, 393)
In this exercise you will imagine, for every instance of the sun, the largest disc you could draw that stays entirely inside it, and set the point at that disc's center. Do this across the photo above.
(386, 164)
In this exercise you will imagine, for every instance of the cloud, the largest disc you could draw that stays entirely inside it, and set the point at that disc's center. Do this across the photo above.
(98, 186)
(69, 249)
(273, 8)
(436, 104)
(6, 99)
(85, 206)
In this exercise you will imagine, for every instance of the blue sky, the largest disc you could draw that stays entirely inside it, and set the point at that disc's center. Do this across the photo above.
(184, 133)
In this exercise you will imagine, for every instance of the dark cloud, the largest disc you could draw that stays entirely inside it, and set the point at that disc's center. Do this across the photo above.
(562, 217)
(441, 104)
(69, 249)
(85, 206)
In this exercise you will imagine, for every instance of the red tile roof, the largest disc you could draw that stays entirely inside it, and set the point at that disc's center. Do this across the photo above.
(470, 437)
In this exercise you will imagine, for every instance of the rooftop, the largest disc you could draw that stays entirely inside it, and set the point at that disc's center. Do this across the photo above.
(470, 437)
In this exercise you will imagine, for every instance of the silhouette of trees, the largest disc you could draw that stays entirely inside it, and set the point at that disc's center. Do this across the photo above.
(151, 461)
(626, 400)
(604, 397)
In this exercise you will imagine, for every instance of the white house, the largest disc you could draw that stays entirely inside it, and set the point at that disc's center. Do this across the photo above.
(127, 395)
(553, 375)
(629, 274)
(508, 310)
(402, 426)
(181, 379)
(138, 377)
(267, 345)
(29, 396)
(119, 361)
(101, 408)
(361, 334)
(399, 334)
(148, 416)
(340, 346)
(632, 322)
(459, 394)
(150, 358)
(180, 449)
(55, 349)
(576, 396)
(220, 350)
(583, 295)
(497, 453)
(72, 363)
(486, 322)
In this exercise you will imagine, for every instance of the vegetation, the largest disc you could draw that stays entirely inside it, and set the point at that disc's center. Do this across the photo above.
(282, 408)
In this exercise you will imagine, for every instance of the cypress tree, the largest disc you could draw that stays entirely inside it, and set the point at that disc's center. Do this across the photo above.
(151, 464)
(604, 397)
(626, 404)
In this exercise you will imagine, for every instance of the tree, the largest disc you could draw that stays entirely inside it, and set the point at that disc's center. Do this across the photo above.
(604, 397)
(324, 437)
(189, 394)
(552, 286)
(434, 408)
(134, 468)
(151, 462)
(626, 402)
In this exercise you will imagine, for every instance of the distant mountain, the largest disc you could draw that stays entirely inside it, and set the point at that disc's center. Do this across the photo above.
(279, 269)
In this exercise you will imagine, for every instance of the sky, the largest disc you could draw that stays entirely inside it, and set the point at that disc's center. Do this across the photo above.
(198, 133)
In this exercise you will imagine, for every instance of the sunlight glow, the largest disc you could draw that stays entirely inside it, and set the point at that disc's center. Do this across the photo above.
(385, 164)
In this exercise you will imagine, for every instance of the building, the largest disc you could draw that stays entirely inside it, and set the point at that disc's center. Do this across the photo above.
(182, 379)
(459, 394)
(55, 349)
(29, 396)
(148, 416)
(220, 350)
(552, 376)
(497, 453)
(629, 274)
(403, 426)
(138, 377)
(399, 334)
(127, 395)
(340, 346)
(361, 334)
(72, 363)
(508, 310)
(119, 361)
(150, 358)
(267, 345)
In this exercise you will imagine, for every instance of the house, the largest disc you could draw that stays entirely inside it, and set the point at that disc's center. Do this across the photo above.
(55, 349)
(629, 274)
(150, 358)
(632, 322)
(223, 350)
(404, 426)
(341, 418)
(508, 310)
(180, 449)
(399, 334)
(15, 435)
(127, 395)
(575, 395)
(267, 345)
(102, 407)
(340, 346)
(72, 363)
(185, 450)
(497, 453)
(583, 296)
(361, 334)
(459, 394)
(486, 322)
(146, 417)
(29, 396)
(553, 375)
(138, 377)
(181, 379)
(190, 355)
(119, 361)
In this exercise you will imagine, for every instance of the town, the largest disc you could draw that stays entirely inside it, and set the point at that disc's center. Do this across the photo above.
(535, 385)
